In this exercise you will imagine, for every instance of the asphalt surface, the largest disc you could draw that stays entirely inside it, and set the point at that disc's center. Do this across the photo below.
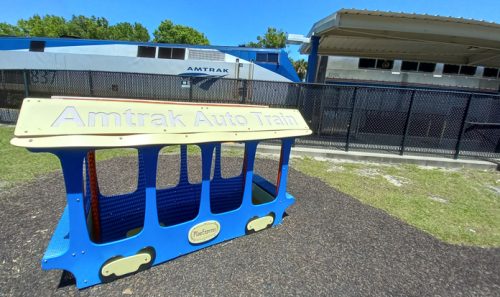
(329, 245)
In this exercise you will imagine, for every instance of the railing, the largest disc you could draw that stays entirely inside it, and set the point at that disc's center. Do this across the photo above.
(397, 120)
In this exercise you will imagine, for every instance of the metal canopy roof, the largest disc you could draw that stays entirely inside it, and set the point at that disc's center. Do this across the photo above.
(390, 35)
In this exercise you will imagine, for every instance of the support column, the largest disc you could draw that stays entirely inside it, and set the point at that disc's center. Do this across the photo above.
(286, 146)
(72, 167)
(462, 127)
(148, 163)
(312, 61)
(217, 165)
(248, 165)
(206, 168)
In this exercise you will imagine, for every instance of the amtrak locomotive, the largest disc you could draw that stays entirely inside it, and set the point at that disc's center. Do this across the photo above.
(150, 58)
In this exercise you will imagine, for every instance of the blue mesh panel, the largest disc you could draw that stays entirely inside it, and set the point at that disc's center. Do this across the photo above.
(86, 195)
(181, 203)
(178, 204)
(226, 194)
(122, 213)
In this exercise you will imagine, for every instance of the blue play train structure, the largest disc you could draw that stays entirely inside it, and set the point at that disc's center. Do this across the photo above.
(99, 237)
(164, 221)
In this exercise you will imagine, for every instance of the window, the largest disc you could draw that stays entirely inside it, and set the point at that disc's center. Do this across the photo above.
(426, 67)
(178, 53)
(385, 64)
(451, 69)
(261, 57)
(167, 168)
(171, 53)
(418, 66)
(267, 57)
(367, 63)
(468, 70)
(269, 170)
(490, 72)
(409, 66)
(228, 181)
(37, 46)
(120, 195)
(457, 69)
(125, 174)
(146, 51)
(178, 184)
(165, 53)
(272, 58)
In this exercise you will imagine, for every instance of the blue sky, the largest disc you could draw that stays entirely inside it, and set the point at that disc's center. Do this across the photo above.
(236, 22)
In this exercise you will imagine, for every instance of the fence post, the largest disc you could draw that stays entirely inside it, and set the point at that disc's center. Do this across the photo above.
(190, 89)
(243, 91)
(407, 123)
(462, 127)
(321, 110)
(348, 138)
(26, 83)
(91, 84)
(299, 94)
(3, 82)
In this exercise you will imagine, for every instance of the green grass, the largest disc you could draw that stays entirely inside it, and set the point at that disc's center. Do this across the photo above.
(19, 165)
(467, 212)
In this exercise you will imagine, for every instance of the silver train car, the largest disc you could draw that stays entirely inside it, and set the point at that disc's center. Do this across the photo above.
(400, 73)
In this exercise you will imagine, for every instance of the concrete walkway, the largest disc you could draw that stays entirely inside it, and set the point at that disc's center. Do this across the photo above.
(379, 157)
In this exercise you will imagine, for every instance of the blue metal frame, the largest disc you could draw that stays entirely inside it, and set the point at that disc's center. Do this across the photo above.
(72, 249)
(312, 60)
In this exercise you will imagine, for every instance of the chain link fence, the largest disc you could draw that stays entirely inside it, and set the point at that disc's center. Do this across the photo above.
(398, 120)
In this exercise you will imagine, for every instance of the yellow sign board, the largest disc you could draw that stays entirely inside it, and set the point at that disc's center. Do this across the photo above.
(153, 120)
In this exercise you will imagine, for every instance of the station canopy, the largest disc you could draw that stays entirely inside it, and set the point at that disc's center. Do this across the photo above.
(414, 37)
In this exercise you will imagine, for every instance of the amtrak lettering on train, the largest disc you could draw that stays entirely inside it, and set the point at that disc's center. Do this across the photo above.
(44, 54)
(208, 69)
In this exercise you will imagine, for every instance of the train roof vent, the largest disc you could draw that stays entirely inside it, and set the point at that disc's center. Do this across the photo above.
(207, 55)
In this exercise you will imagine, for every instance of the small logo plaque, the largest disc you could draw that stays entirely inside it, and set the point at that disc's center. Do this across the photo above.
(204, 232)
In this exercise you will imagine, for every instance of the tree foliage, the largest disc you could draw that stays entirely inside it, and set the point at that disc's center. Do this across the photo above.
(10, 30)
(300, 67)
(273, 38)
(88, 27)
(126, 31)
(48, 26)
(78, 26)
(167, 32)
(99, 28)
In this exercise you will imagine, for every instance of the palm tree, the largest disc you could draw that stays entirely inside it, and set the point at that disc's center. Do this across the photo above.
(301, 68)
